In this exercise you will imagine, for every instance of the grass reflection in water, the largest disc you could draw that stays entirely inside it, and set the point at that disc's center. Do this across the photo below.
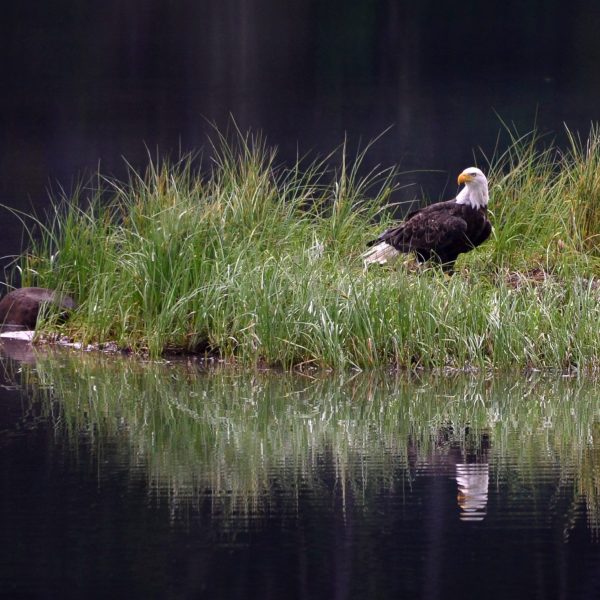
(241, 438)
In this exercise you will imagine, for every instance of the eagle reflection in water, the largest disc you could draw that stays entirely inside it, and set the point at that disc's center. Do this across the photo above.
(472, 476)
(472, 480)
(462, 454)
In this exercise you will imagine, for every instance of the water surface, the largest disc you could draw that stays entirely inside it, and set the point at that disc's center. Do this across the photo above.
(167, 480)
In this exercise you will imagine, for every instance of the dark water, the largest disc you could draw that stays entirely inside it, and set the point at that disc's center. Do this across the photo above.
(85, 83)
(121, 478)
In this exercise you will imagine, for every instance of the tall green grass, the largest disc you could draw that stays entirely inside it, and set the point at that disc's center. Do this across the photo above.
(260, 263)
(546, 202)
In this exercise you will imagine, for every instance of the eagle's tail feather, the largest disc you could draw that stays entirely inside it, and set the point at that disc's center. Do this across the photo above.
(379, 254)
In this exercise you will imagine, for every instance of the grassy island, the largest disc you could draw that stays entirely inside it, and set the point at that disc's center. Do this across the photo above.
(260, 264)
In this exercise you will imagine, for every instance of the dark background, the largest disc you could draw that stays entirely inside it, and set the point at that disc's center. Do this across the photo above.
(87, 83)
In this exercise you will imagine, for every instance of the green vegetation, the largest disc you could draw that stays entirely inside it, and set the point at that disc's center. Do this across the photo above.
(234, 436)
(260, 264)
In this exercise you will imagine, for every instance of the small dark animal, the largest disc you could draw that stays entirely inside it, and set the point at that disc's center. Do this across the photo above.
(21, 307)
(440, 232)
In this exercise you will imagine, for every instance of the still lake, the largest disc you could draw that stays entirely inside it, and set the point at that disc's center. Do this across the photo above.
(165, 480)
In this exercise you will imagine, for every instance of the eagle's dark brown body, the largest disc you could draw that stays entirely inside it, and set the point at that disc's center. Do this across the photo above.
(22, 306)
(439, 232)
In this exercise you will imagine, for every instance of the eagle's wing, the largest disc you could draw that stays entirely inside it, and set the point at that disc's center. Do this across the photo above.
(427, 230)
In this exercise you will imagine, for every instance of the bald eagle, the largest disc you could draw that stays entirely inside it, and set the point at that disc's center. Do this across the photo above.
(440, 232)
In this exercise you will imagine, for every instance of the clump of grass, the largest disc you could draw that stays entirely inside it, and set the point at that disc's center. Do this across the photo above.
(581, 179)
(546, 202)
(261, 263)
(526, 202)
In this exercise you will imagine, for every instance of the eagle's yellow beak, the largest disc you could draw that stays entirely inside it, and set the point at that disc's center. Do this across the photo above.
(464, 178)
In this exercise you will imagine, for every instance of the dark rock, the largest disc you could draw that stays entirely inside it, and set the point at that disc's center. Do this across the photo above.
(21, 307)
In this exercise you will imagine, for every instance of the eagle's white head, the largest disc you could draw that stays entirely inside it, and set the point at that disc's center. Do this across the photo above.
(475, 192)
